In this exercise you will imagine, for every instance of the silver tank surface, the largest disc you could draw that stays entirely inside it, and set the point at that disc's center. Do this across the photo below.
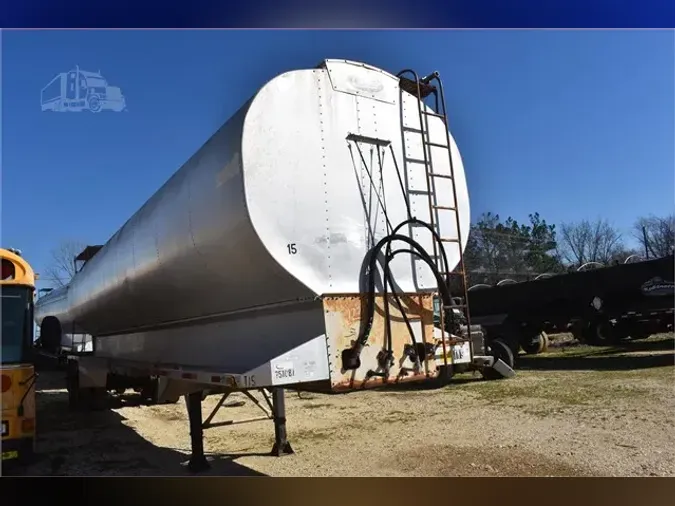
(275, 210)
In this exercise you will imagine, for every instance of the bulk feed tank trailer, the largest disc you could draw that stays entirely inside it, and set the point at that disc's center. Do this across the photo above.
(301, 247)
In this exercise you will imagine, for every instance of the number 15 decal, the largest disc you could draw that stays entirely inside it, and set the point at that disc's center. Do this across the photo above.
(292, 249)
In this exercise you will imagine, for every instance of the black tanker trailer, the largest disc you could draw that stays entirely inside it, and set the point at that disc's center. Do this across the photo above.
(598, 306)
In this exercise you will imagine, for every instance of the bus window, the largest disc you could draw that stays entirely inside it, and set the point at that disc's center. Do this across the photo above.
(8, 271)
(14, 323)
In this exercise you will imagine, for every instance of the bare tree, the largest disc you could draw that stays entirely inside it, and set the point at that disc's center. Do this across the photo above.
(588, 241)
(62, 267)
(656, 235)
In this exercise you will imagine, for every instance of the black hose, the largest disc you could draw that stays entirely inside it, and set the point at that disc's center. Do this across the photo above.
(370, 308)
(387, 273)
(444, 256)
(389, 279)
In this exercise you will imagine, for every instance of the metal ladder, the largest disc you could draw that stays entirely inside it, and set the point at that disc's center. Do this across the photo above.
(421, 89)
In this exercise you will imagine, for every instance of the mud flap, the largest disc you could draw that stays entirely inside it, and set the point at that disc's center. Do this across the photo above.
(503, 368)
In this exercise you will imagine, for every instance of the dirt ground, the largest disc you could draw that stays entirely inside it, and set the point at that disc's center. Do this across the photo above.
(572, 411)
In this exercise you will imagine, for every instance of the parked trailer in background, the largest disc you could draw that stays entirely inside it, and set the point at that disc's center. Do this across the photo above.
(259, 265)
(598, 306)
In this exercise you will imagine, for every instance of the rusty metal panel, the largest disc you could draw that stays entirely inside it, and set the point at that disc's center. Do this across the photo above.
(345, 314)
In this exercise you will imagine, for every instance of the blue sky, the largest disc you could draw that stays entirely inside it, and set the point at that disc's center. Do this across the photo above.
(570, 124)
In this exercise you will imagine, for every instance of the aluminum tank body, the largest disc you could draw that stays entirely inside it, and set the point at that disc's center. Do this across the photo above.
(277, 209)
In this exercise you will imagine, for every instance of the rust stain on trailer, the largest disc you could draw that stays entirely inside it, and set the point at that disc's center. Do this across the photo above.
(346, 314)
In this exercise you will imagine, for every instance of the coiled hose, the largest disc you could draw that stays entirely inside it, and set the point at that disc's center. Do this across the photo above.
(351, 356)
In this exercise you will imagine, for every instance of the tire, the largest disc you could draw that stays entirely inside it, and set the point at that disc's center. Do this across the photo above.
(594, 333)
(536, 344)
(94, 104)
(603, 333)
(579, 329)
(500, 351)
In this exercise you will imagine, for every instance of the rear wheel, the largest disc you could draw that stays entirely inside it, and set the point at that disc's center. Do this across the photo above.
(545, 343)
(535, 344)
(604, 332)
(579, 330)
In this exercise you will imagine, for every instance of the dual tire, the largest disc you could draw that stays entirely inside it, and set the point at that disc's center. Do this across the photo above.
(535, 344)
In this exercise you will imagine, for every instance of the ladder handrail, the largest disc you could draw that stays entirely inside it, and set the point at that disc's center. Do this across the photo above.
(424, 132)
(436, 251)
(436, 77)
(420, 105)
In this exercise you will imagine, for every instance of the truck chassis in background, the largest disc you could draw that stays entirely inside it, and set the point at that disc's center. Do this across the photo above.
(599, 307)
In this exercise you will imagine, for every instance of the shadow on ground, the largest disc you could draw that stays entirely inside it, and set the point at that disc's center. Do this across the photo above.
(99, 443)
(624, 356)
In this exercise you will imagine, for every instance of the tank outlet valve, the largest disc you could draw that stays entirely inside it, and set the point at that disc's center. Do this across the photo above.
(386, 359)
(351, 357)
(427, 350)
(410, 352)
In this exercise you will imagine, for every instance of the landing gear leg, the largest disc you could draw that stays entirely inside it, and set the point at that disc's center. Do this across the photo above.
(197, 461)
(281, 445)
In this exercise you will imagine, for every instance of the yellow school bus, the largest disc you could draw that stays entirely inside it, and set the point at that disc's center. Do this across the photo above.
(17, 371)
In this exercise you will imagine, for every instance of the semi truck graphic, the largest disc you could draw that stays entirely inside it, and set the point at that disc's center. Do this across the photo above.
(78, 90)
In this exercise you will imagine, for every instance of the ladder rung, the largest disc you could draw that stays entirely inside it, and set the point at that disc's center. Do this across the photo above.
(436, 144)
(416, 130)
(459, 273)
(444, 176)
(445, 208)
(437, 115)
(418, 192)
(416, 160)
(445, 239)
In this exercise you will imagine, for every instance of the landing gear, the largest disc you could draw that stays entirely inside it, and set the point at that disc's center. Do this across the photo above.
(277, 413)
(198, 462)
